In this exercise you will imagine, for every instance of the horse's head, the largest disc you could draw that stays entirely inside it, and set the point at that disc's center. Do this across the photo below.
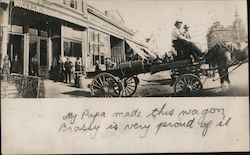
(225, 52)
(240, 51)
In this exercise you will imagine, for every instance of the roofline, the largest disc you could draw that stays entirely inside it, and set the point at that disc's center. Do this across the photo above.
(98, 13)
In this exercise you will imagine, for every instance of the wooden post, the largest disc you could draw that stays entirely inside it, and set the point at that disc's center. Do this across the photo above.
(4, 25)
(26, 49)
(62, 40)
(49, 46)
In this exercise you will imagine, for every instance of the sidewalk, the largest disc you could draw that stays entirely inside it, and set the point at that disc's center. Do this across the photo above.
(64, 90)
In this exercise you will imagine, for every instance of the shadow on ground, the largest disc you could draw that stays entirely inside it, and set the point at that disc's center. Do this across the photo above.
(208, 92)
(78, 93)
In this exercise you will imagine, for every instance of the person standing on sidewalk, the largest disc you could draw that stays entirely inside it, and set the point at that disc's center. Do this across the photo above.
(5, 66)
(15, 66)
(77, 69)
(68, 67)
(97, 66)
(60, 72)
(34, 67)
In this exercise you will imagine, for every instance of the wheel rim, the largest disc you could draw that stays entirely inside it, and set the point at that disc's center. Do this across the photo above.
(130, 86)
(106, 85)
(188, 84)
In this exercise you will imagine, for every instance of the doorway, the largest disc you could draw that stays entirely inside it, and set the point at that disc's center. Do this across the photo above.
(117, 50)
(16, 47)
(38, 48)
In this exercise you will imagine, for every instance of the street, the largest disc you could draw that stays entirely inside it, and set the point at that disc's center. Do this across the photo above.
(159, 87)
(156, 85)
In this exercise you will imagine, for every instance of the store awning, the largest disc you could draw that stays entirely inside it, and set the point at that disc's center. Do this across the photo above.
(151, 54)
(53, 11)
(5, 1)
(137, 49)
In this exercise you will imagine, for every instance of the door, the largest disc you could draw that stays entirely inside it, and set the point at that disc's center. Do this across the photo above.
(43, 57)
(117, 50)
(16, 47)
(33, 50)
(38, 48)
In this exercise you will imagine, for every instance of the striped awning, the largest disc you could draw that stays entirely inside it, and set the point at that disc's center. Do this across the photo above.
(53, 11)
(5, 1)
(151, 54)
(137, 49)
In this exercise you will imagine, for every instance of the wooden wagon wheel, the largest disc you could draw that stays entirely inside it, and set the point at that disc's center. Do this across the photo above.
(106, 85)
(130, 86)
(188, 84)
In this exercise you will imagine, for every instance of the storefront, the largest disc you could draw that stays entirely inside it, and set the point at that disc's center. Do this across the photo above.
(43, 31)
(110, 39)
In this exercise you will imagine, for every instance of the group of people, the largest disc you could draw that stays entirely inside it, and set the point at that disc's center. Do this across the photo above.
(62, 71)
(109, 65)
(8, 66)
(182, 45)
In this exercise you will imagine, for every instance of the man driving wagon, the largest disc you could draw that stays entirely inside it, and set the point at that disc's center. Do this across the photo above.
(182, 45)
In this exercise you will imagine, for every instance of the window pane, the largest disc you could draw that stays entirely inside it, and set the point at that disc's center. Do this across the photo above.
(95, 58)
(77, 49)
(43, 52)
(96, 48)
(67, 48)
(102, 59)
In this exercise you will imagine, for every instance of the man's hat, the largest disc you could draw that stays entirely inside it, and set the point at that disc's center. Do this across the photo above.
(186, 27)
(177, 22)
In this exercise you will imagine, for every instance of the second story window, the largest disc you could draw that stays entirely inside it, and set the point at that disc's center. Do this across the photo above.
(71, 3)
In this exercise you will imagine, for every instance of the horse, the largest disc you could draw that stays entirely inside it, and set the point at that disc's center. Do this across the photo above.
(225, 54)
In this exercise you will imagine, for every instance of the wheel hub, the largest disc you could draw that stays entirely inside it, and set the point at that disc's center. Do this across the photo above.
(190, 88)
(106, 87)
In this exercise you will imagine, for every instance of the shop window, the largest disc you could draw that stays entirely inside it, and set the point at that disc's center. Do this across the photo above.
(91, 48)
(96, 37)
(72, 49)
(91, 35)
(98, 46)
(67, 48)
(43, 53)
(77, 49)
(100, 58)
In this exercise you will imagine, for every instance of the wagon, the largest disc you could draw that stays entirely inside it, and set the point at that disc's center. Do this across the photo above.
(123, 81)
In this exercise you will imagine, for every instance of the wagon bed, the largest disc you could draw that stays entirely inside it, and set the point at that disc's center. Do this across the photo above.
(123, 80)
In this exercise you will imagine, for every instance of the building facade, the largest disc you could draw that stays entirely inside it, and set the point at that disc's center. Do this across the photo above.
(232, 33)
(48, 29)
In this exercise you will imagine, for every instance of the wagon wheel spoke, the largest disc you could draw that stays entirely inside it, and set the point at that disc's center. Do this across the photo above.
(103, 78)
(182, 83)
(97, 86)
(108, 95)
(129, 89)
(105, 85)
(100, 80)
(188, 84)
(130, 86)
(125, 92)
